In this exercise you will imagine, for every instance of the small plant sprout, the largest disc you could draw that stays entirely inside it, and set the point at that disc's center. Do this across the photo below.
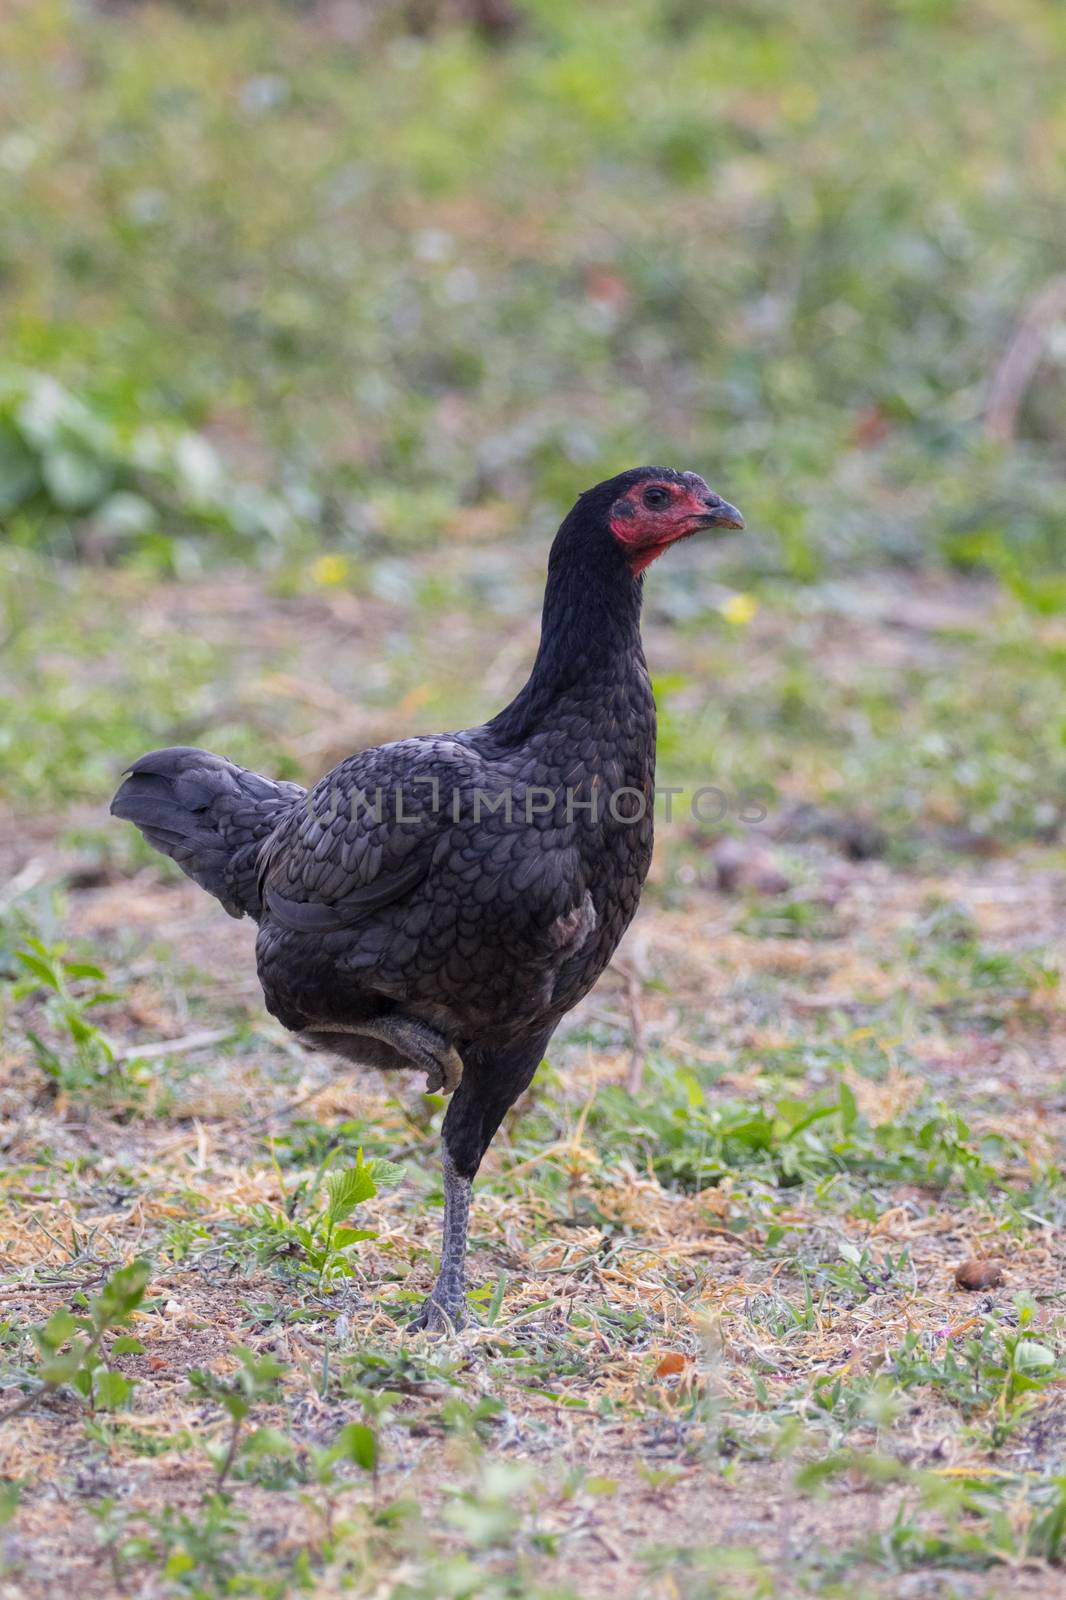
(82, 1061)
(355, 1445)
(255, 1382)
(72, 1350)
(318, 1242)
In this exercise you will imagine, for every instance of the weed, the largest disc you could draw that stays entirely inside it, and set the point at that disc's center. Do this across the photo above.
(353, 318)
(198, 1552)
(945, 946)
(83, 1063)
(864, 1272)
(316, 1244)
(72, 1350)
(719, 1572)
(255, 1381)
(994, 1371)
(695, 1140)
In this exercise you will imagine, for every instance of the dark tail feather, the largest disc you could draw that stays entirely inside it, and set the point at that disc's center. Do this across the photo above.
(207, 815)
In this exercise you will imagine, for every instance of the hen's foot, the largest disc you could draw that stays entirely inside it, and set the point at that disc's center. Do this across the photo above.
(424, 1047)
(440, 1313)
(446, 1073)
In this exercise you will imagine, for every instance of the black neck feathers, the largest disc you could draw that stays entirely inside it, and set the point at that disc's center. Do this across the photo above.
(590, 628)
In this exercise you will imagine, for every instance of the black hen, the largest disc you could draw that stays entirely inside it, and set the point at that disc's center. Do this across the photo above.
(441, 903)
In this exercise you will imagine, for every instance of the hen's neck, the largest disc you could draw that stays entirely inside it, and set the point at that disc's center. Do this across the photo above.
(590, 647)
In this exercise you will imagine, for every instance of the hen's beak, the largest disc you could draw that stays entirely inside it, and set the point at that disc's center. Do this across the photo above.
(720, 514)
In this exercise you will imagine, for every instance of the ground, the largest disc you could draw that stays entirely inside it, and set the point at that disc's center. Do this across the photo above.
(316, 317)
(719, 1347)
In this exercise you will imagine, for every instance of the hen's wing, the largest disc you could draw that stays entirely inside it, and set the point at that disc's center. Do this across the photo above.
(366, 835)
(377, 826)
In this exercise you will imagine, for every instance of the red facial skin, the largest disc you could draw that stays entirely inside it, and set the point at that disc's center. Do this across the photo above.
(644, 531)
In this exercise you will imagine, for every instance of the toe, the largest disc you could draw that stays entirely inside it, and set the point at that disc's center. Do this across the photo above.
(439, 1316)
(452, 1065)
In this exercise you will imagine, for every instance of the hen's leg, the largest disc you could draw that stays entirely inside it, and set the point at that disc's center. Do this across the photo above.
(492, 1082)
(445, 1309)
(424, 1047)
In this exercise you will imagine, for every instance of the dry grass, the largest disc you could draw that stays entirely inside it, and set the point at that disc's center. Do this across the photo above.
(665, 1358)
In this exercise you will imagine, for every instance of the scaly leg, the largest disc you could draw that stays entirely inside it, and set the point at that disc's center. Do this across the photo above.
(492, 1082)
(424, 1047)
(445, 1309)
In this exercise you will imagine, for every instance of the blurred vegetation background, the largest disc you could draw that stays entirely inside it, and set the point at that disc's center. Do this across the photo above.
(319, 287)
(371, 273)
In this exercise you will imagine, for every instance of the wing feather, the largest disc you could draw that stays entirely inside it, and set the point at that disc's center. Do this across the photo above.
(318, 916)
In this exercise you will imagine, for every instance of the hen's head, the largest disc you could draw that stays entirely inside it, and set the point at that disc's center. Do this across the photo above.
(647, 509)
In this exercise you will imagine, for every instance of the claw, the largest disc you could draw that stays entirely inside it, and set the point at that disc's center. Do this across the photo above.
(438, 1316)
(453, 1071)
(446, 1074)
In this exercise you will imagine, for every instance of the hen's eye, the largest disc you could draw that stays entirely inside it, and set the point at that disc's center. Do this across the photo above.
(656, 497)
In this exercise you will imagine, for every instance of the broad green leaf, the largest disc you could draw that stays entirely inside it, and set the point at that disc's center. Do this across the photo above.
(60, 1327)
(357, 1443)
(197, 468)
(75, 482)
(343, 1237)
(64, 1368)
(50, 416)
(125, 515)
(19, 475)
(39, 967)
(111, 1390)
(347, 1190)
(1029, 1356)
(121, 1295)
(384, 1173)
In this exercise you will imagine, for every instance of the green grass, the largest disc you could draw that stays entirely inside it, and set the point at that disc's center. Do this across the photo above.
(415, 283)
(962, 750)
(340, 325)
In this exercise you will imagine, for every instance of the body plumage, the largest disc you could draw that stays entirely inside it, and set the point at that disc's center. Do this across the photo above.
(442, 902)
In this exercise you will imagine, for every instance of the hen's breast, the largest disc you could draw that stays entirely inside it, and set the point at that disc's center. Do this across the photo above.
(602, 755)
